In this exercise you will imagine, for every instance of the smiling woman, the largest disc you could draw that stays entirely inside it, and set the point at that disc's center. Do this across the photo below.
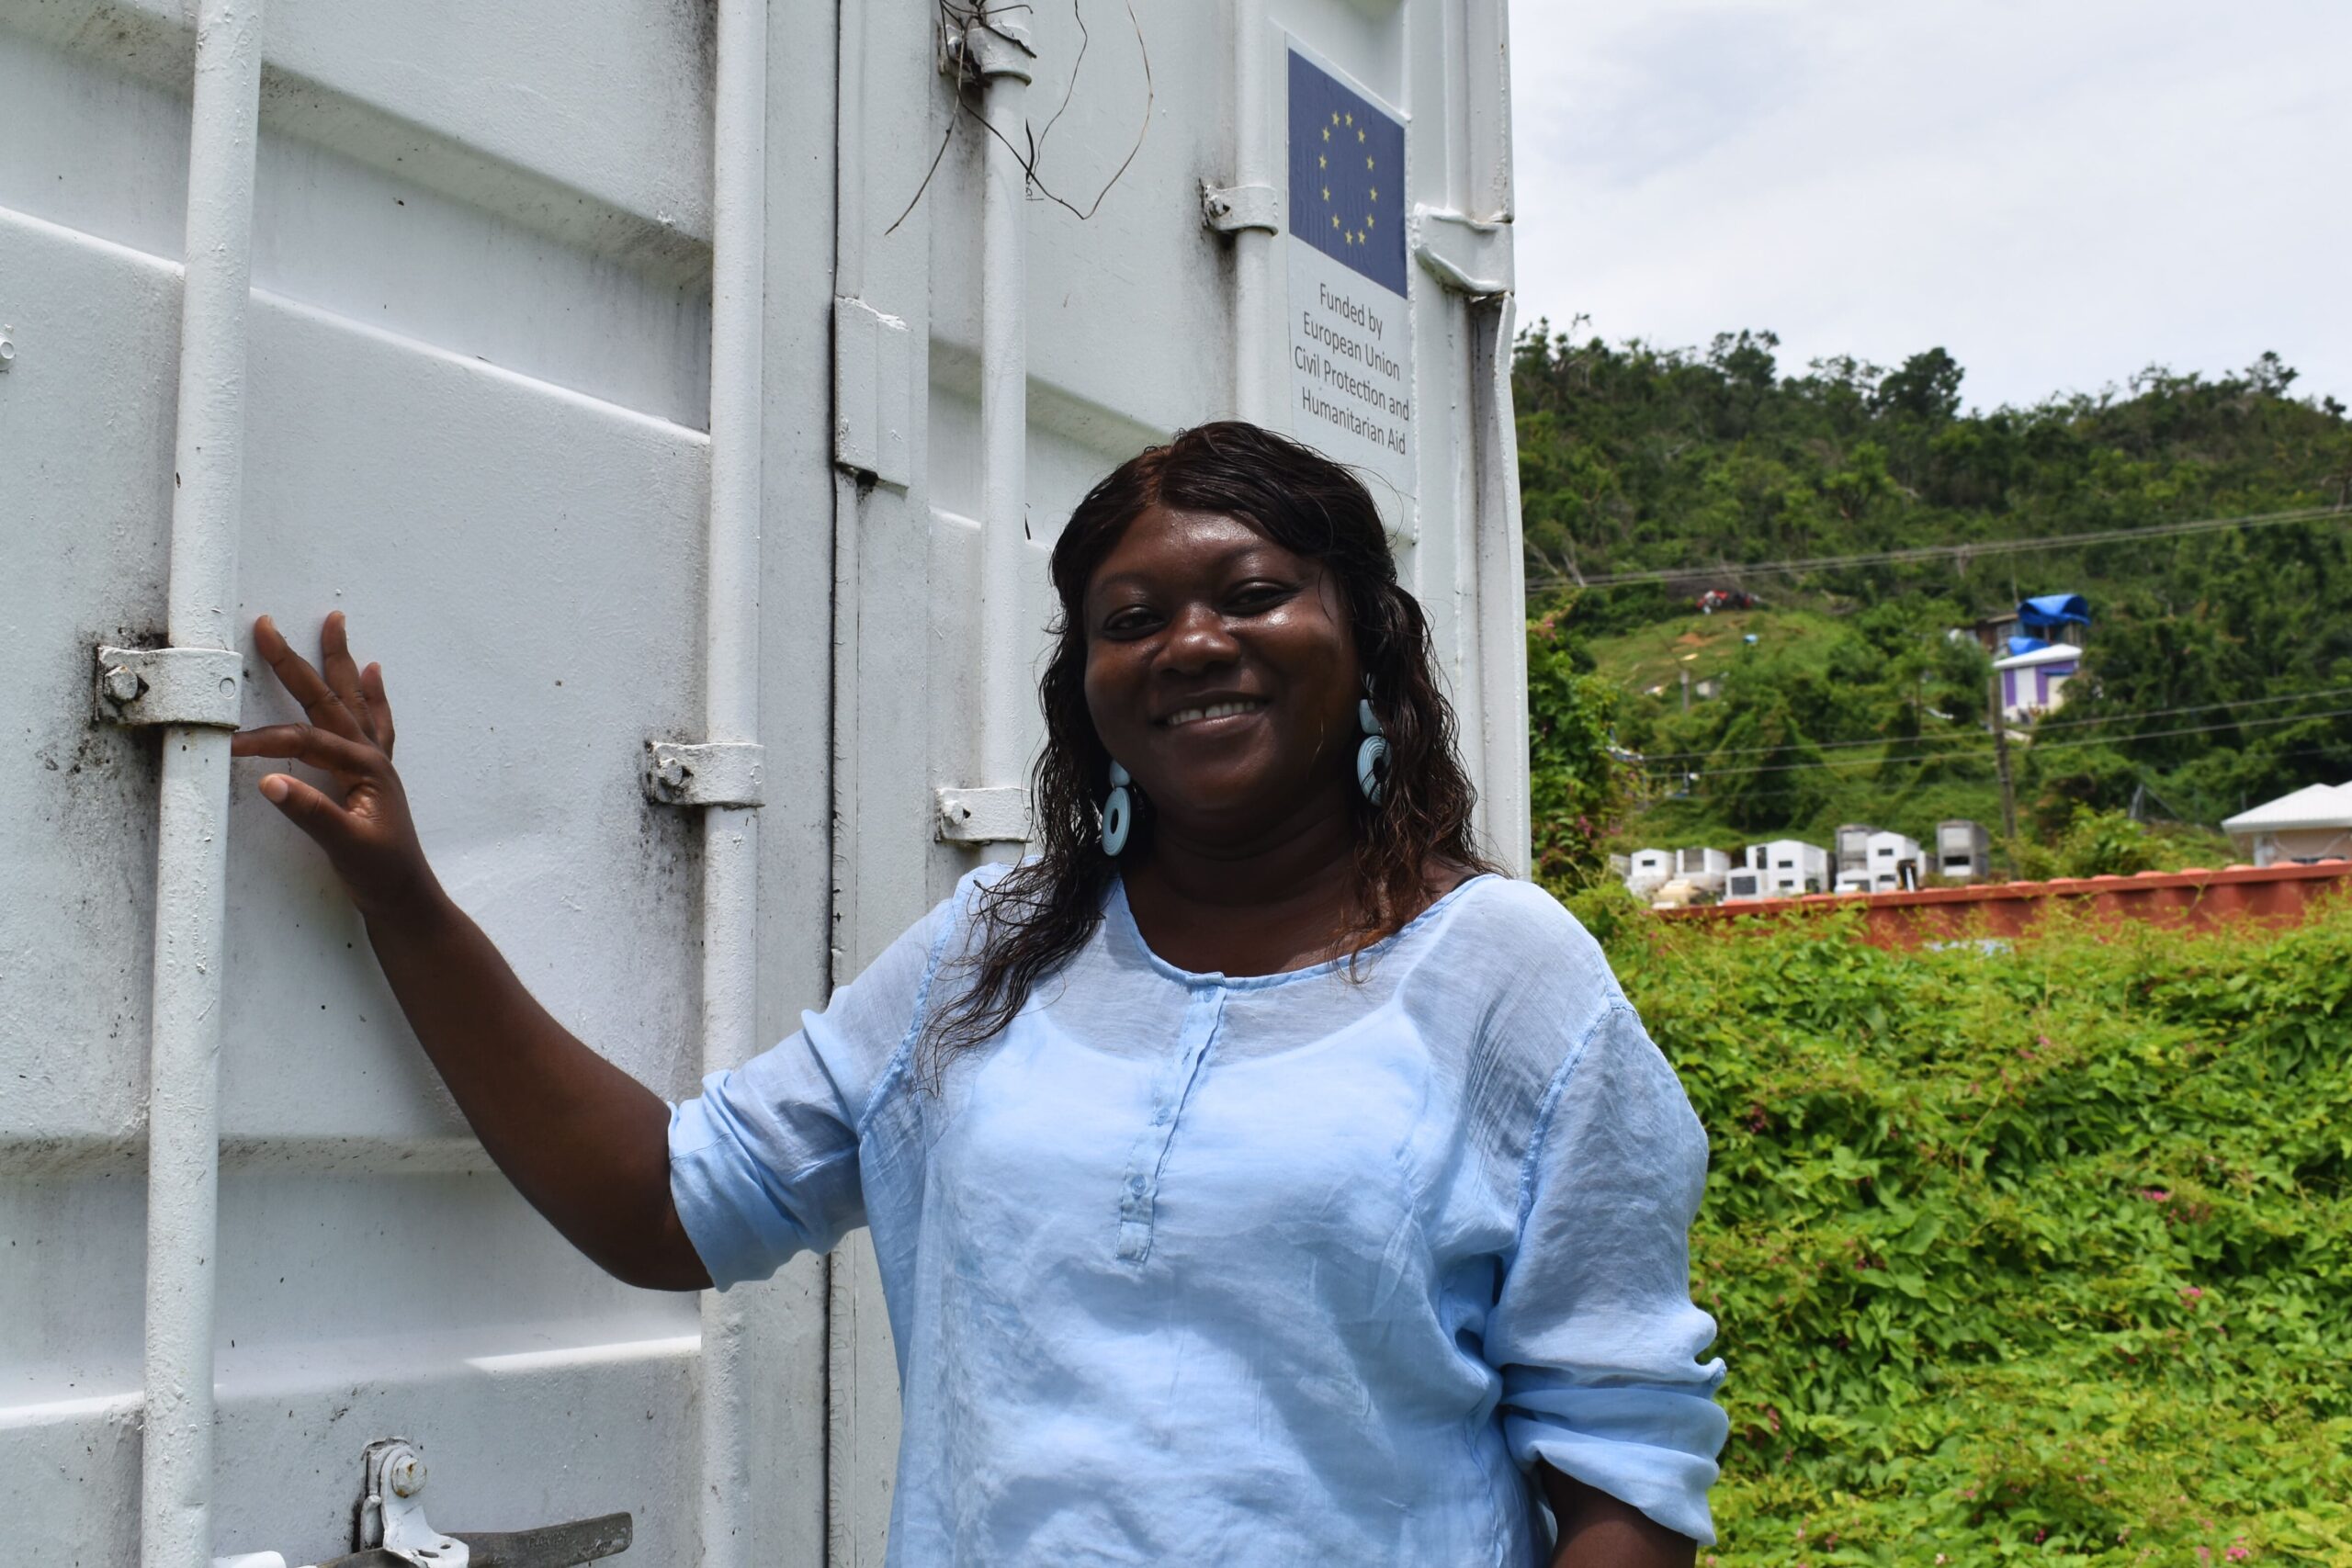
(1256, 1176)
(1235, 570)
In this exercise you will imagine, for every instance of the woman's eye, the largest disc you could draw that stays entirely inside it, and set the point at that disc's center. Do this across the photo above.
(1258, 596)
(1128, 621)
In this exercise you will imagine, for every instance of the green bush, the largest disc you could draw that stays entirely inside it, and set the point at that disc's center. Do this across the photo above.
(2095, 843)
(2040, 1250)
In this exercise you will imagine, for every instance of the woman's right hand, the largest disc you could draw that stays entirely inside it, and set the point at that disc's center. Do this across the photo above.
(369, 836)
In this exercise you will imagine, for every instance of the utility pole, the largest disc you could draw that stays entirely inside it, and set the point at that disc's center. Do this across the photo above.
(2001, 757)
(1686, 689)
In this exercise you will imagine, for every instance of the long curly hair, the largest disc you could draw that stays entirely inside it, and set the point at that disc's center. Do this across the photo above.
(1036, 916)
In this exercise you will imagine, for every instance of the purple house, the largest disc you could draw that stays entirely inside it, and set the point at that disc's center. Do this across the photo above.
(2034, 682)
(2040, 663)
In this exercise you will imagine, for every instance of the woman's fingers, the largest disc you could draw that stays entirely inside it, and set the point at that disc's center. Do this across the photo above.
(304, 684)
(307, 807)
(380, 707)
(305, 743)
(342, 672)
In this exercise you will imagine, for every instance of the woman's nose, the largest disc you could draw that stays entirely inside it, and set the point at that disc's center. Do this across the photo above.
(1198, 638)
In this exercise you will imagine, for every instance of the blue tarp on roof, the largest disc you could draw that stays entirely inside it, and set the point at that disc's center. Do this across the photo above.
(2054, 610)
(2026, 645)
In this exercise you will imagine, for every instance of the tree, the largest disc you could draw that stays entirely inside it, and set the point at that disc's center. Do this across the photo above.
(1577, 787)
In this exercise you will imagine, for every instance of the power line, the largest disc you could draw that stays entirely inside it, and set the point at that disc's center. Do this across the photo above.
(1941, 552)
(1965, 752)
(2039, 727)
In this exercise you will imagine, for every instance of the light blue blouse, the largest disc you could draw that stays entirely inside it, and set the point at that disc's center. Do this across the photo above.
(1290, 1269)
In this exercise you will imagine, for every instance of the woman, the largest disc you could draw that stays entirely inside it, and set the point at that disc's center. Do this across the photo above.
(1257, 1176)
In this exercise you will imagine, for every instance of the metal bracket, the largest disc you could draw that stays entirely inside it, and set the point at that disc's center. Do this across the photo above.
(1228, 210)
(1469, 255)
(998, 816)
(725, 772)
(394, 1533)
(197, 686)
(390, 1517)
(992, 43)
(873, 392)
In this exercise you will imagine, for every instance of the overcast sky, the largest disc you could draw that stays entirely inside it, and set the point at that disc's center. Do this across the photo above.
(2059, 193)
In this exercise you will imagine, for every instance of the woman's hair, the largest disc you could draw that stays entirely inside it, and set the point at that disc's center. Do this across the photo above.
(1036, 916)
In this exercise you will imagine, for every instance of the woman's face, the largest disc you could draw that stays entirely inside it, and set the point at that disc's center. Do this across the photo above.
(1221, 671)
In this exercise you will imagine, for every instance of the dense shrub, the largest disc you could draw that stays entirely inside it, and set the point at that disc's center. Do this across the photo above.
(2035, 1251)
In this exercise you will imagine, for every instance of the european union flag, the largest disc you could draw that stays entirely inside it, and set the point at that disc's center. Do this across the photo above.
(1347, 176)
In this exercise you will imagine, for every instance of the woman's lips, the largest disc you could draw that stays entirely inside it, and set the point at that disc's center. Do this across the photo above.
(1209, 712)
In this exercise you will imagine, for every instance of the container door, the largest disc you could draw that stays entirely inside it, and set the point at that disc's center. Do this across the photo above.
(476, 405)
(1172, 266)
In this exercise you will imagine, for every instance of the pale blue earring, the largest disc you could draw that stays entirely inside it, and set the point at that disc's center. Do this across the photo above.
(1372, 757)
(1118, 812)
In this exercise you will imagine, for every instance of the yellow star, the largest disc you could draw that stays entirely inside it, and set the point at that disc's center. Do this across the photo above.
(1367, 163)
(1321, 162)
(1352, 239)
(1367, 219)
(1326, 135)
(1335, 221)
(1327, 193)
(1351, 119)
(1359, 136)
(1335, 117)
(1375, 195)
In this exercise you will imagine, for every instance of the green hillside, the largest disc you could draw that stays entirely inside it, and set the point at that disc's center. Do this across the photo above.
(2218, 670)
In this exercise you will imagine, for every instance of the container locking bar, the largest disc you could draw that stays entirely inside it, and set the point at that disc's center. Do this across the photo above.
(197, 686)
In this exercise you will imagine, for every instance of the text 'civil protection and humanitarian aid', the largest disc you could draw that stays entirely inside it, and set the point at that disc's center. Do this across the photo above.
(1345, 376)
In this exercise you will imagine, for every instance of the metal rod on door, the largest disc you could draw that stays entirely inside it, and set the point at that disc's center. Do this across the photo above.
(191, 859)
(994, 49)
(1254, 365)
(730, 710)
(1001, 51)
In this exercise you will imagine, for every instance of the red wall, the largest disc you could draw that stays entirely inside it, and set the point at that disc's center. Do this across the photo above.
(2193, 899)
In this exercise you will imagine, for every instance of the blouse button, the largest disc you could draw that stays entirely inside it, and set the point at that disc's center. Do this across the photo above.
(1135, 1184)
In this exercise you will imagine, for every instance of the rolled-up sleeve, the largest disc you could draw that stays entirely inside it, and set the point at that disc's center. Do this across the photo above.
(1594, 1332)
(764, 1163)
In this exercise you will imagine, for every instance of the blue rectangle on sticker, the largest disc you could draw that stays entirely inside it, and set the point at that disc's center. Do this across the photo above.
(1347, 176)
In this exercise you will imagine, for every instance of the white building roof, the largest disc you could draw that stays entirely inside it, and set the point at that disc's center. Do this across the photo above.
(2314, 805)
(2057, 652)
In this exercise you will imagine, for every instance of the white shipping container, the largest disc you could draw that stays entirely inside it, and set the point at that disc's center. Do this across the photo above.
(630, 374)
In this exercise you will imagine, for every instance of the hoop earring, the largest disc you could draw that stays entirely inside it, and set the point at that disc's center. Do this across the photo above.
(1372, 757)
(1118, 812)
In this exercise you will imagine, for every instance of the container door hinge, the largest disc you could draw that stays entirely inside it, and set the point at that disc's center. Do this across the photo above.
(202, 687)
(873, 392)
(1228, 210)
(726, 773)
(1468, 255)
(998, 816)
